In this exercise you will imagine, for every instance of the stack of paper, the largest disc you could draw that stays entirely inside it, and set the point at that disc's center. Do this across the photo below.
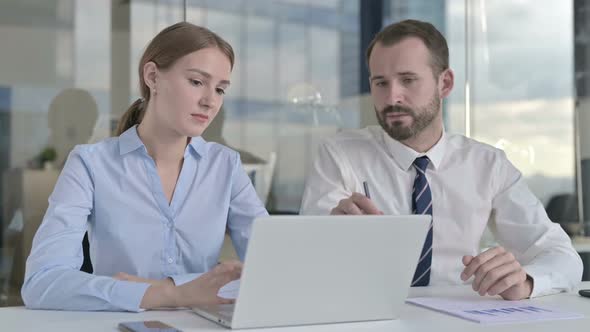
(492, 311)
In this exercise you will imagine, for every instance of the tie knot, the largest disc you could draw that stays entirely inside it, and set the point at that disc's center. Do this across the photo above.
(421, 163)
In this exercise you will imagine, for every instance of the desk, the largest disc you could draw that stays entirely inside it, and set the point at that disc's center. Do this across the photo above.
(412, 318)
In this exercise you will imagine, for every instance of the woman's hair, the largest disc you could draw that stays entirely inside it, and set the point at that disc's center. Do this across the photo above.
(164, 50)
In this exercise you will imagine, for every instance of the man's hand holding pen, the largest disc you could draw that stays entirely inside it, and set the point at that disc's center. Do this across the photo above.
(357, 204)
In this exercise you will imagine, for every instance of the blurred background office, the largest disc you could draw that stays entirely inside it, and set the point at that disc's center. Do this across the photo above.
(521, 85)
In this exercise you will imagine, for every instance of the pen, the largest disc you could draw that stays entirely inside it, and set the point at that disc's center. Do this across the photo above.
(366, 188)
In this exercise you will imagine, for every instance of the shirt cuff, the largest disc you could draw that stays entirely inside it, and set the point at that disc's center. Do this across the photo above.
(180, 279)
(127, 295)
(541, 282)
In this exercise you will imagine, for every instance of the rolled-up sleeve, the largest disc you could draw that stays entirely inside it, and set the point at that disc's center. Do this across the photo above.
(522, 226)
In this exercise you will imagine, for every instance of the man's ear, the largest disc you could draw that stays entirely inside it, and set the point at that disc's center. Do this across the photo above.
(150, 72)
(446, 81)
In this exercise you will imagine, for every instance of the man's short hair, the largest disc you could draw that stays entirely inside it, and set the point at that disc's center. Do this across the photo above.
(430, 36)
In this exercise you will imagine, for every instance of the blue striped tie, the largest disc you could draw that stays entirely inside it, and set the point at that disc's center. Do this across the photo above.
(422, 204)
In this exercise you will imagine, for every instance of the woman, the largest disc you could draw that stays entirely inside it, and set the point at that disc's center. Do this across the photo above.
(156, 200)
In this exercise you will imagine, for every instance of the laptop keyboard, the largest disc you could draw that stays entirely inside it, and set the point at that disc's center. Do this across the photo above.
(226, 310)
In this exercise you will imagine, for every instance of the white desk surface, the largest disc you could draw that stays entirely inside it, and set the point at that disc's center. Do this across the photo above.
(412, 318)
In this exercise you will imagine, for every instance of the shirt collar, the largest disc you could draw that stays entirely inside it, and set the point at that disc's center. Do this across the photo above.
(405, 156)
(129, 141)
(199, 146)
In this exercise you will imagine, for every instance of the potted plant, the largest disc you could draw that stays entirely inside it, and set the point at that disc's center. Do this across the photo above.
(47, 157)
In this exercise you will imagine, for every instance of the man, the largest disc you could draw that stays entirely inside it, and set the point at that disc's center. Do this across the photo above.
(412, 166)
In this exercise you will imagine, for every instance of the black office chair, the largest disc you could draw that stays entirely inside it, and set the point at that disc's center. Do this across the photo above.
(87, 264)
(563, 208)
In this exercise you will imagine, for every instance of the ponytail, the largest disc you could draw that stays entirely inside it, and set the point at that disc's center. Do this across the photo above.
(132, 116)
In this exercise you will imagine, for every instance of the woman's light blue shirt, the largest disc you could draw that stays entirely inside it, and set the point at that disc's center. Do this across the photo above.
(112, 189)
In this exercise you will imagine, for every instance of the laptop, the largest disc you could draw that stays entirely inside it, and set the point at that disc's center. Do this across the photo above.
(302, 270)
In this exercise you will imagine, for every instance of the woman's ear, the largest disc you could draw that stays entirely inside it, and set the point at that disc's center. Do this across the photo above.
(446, 82)
(150, 72)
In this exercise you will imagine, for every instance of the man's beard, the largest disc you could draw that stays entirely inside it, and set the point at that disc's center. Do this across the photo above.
(422, 118)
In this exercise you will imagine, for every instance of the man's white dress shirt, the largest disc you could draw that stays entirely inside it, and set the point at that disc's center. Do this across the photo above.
(473, 185)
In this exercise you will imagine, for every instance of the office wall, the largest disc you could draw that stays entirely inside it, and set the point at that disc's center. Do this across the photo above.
(297, 80)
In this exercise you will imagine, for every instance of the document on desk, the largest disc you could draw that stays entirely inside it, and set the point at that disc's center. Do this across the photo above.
(230, 290)
(492, 311)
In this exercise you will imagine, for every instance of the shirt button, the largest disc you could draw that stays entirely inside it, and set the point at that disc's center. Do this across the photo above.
(170, 260)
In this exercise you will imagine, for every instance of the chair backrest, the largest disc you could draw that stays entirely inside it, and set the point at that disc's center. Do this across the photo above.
(563, 208)
(261, 176)
(86, 263)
